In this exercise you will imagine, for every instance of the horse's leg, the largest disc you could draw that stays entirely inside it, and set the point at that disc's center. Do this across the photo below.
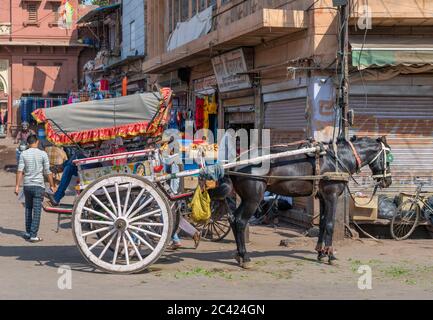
(322, 224)
(233, 224)
(331, 201)
(248, 208)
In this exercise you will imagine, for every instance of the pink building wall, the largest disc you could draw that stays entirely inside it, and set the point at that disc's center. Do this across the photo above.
(43, 58)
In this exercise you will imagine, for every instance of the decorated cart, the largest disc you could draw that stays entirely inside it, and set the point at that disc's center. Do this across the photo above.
(124, 214)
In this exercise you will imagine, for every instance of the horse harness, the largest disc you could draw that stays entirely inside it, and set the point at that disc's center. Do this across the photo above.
(328, 176)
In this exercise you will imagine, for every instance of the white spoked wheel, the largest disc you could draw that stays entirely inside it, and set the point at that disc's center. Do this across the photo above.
(122, 223)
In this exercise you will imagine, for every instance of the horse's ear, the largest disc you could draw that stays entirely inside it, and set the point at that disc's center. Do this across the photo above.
(352, 139)
(381, 139)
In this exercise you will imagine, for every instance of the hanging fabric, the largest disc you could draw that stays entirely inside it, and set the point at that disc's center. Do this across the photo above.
(199, 113)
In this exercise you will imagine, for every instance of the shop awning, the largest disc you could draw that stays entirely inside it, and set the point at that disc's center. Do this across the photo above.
(95, 13)
(381, 51)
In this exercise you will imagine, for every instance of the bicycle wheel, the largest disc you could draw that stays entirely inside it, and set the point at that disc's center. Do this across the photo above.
(404, 222)
(218, 226)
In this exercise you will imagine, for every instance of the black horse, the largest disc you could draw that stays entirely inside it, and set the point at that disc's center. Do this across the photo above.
(352, 156)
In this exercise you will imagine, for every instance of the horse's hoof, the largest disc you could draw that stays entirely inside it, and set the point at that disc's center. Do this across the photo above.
(332, 259)
(246, 265)
(237, 258)
(320, 256)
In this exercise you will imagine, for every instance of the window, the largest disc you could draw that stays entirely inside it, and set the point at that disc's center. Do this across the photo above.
(32, 9)
(55, 6)
(194, 7)
(202, 5)
(170, 16)
(132, 35)
(184, 10)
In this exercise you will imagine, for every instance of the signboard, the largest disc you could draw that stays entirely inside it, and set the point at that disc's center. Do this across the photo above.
(204, 83)
(230, 69)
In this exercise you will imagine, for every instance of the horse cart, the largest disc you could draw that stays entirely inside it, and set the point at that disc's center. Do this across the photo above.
(123, 185)
(128, 204)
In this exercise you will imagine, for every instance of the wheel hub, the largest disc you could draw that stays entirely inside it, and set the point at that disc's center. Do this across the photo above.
(121, 224)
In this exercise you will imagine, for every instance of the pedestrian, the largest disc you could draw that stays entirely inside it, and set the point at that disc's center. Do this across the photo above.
(189, 229)
(32, 166)
(21, 138)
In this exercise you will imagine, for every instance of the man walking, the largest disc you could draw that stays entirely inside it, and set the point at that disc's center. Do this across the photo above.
(32, 165)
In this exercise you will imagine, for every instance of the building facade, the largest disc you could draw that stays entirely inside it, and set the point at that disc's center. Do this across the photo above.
(271, 64)
(39, 51)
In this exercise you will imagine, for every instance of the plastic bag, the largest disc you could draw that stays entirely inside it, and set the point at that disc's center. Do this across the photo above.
(387, 207)
(21, 197)
(200, 205)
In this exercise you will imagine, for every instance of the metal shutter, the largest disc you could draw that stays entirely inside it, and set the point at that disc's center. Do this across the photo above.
(408, 124)
(286, 120)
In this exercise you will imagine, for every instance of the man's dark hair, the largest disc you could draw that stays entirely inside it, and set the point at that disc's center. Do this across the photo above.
(32, 139)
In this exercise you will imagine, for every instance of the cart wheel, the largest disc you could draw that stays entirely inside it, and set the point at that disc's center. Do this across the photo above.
(404, 222)
(126, 214)
(218, 226)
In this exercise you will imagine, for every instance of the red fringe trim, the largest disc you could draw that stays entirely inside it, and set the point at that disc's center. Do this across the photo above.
(156, 127)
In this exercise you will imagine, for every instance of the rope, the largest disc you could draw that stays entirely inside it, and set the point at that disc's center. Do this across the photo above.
(365, 232)
(362, 204)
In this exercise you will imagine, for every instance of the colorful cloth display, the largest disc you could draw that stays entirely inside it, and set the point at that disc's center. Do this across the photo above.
(199, 113)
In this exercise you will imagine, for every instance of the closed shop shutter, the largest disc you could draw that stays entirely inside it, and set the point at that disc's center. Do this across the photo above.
(408, 124)
(286, 120)
(287, 123)
(239, 110)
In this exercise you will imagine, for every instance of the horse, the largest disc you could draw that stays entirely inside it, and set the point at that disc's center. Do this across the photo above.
(350, 157)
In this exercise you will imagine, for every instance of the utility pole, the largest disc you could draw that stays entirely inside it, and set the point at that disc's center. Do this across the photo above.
(342, 214)
(343, 67)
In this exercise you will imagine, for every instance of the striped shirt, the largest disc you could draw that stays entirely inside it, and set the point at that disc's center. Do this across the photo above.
(34, 163)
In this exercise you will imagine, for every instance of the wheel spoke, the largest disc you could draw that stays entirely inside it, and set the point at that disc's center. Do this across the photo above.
(137, 252)
(103, 206)
(217, 226)
(119, 206)
(145, 204)
(126, 251)
(206, 227)
(110, 223)
(95, 231)
(116, 250)
(145, 231)
(128, 193)
(142, 240)
(110, 200)
(134, 203)
(156, 224)
(102, 239)
(153, 212)
(107, 246)
(216, 231)
(99, 214)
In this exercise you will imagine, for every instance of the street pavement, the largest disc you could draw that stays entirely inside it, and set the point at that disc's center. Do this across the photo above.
(400, 270)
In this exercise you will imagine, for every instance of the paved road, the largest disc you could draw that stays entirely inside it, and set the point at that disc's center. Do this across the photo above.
(399, 270)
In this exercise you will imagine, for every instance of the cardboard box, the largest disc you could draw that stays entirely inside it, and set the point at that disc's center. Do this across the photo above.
(190, 182)
(361, 211)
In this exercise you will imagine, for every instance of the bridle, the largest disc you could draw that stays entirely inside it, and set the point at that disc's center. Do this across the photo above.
(385, 152)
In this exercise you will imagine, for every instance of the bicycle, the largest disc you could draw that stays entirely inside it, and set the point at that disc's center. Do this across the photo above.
(409, 214)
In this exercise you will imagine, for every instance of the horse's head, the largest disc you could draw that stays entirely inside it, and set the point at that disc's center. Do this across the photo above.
(377, 154)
